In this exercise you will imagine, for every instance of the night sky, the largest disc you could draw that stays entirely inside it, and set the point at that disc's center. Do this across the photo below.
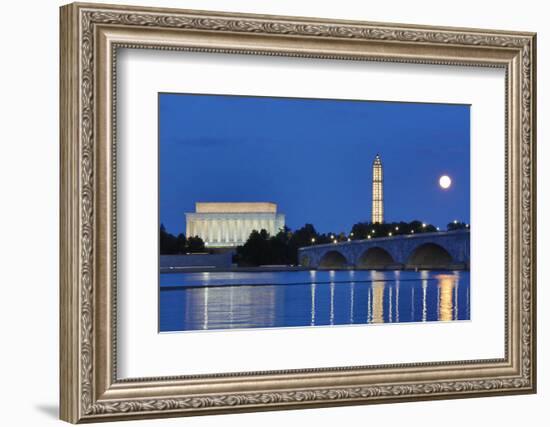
(313, 158)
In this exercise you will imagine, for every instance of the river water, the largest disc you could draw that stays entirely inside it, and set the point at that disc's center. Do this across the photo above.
(236, 300)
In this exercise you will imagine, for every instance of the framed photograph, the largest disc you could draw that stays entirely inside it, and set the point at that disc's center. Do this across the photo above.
(266, 212)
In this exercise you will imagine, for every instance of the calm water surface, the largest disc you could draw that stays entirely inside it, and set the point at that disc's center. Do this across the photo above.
(235, 300)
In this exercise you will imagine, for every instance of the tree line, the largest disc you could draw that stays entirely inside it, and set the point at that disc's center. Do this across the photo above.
(179, 245)
(261, 248)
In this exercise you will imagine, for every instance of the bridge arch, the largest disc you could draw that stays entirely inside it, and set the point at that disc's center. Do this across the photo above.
(333, 259)
(429, 255)
(375, 257)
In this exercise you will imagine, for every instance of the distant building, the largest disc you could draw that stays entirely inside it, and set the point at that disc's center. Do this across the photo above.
(230, 224)
(377, 191)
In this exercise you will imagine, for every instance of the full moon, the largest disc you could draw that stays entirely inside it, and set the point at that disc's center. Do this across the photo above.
(445, 182)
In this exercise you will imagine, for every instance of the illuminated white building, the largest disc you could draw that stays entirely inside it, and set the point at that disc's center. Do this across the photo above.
(230, 224)
(377, 191)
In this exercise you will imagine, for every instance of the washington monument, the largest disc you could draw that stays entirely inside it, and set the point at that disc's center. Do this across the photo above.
(377, 191)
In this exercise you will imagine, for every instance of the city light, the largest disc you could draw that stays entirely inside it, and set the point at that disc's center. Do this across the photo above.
(437, 228)
(455, 221)
(467, 225)
(412, 231)
(349, 239)
(313, 240)
(335, 241)
(396, 228)
(351, 234)
(423, 225)
(368, 237)
(332, 236)
(389, 234)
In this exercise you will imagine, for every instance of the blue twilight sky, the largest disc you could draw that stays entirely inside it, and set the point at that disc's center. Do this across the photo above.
(313, 158)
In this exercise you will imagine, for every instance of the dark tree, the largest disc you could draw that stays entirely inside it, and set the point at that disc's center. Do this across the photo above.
(172, 245)
(457, 225)
(195, 244)
(363, 230)
(181, 244)
(322, 239)
(256, 251)
(304, 236)
(167, 242)
(281, 248)
(415, 226)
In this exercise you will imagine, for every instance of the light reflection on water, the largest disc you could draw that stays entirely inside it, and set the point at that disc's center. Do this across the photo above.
(235, 300)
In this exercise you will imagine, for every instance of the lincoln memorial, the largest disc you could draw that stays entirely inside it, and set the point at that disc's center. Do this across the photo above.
(230, 224)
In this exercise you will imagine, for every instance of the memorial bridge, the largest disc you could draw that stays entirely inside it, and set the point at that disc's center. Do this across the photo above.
(440, 250)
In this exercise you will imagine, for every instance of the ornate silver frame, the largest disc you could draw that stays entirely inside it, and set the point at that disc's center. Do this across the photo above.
(90, 36)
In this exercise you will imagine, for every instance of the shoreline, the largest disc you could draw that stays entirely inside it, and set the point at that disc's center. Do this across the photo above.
(274, 269)
(208, 269)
